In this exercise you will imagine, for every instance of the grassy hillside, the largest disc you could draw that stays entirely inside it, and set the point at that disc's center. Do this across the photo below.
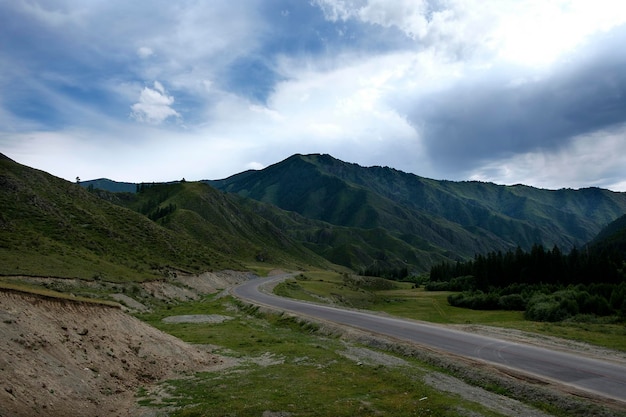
(52, 227)
(49, 226)
(443, 219)
(355, 247)
(611, 241)
(110, 185)
(220, 221)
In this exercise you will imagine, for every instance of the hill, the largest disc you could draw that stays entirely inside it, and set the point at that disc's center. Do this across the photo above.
(611, 241)
(52, 227)
(218, 220)
(439, 219)
(307, 209)
(110, 185)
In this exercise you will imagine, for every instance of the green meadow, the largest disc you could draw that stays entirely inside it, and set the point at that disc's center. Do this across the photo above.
(404, 300)
(282, 364)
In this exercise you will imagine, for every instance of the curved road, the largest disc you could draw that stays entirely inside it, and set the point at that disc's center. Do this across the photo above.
(604, 378)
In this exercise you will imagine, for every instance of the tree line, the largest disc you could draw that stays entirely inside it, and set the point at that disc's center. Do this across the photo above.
(548, 285)
(152, 207)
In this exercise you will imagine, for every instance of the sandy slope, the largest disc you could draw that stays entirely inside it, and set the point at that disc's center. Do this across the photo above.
(61, 357)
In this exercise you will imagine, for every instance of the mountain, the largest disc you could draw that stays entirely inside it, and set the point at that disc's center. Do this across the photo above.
(52, 227)
(441, 219)
(611, 241)
(305, 210)
(217, 219)
(110, 185)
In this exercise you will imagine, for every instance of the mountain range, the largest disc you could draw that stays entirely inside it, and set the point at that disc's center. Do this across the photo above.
(404, 217)
(306, 210)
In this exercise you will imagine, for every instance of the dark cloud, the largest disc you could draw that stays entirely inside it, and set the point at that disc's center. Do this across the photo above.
(500, 115)
(257, 77)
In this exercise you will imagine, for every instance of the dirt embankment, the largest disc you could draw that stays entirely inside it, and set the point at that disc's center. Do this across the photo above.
(61, 357)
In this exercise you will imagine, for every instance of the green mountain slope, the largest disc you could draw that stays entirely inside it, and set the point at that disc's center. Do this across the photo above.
(110, 185)
(611, 242)
(49, 226)
(220, 221)
(442, 218)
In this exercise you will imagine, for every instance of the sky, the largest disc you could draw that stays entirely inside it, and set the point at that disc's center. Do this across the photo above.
(504, 91)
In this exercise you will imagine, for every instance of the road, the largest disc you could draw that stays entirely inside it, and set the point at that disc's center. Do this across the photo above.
(604, 378)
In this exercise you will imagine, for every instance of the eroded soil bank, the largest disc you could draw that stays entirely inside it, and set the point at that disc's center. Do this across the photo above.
(66, 358)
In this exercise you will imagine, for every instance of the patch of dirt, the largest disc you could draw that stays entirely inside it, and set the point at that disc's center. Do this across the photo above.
(499, 403)
(191, 287)
(62, 357)
(212, 282)
(268, 413)
(267, 359)
(197, 318)
(130, 303)
(163, 290)
(136, 297)
(367, 356)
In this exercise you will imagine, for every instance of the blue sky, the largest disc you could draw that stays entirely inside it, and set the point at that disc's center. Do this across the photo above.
(507, 91)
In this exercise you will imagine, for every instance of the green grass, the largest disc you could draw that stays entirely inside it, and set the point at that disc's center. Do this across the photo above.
(52, 227)
(307, 376)
(418, 304)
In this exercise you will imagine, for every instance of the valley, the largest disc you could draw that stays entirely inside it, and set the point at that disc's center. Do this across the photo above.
(97, 288)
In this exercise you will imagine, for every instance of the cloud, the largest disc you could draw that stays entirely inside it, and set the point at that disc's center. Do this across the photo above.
(410, 16)
(255, 165)
(144, 52)
(56, 15)
(524, 32)
(595, 159)
(154, 105)
(489, 89)
(478, 120)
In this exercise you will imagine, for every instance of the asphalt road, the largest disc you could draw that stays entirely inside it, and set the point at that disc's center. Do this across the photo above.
(603, 378)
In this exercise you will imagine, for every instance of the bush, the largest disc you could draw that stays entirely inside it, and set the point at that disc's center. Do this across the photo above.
(597, 305)
(552, 307)
(512, 302)
(464, 283)
(437, 286)
(474, 300)
(544, 308)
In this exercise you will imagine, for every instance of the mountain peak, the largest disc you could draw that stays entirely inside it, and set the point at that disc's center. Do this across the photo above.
(423, 218)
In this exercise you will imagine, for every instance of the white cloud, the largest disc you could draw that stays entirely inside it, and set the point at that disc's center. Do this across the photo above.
(144, 52)
(352, 104)
(345, 111)
(255, 165)
(154, 105)
(526, 32)
(597, 159)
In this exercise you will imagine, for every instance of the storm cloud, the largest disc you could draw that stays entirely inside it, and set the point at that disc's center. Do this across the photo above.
(506, 91)
(499, 114)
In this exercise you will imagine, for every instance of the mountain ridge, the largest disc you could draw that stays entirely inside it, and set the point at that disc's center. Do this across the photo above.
(458, 218)
(375, 220)
(53, 227)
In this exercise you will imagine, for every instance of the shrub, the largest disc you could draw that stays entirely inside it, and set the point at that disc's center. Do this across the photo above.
(552, 307)
(512, 302)
(477, 300)
(597, 305)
